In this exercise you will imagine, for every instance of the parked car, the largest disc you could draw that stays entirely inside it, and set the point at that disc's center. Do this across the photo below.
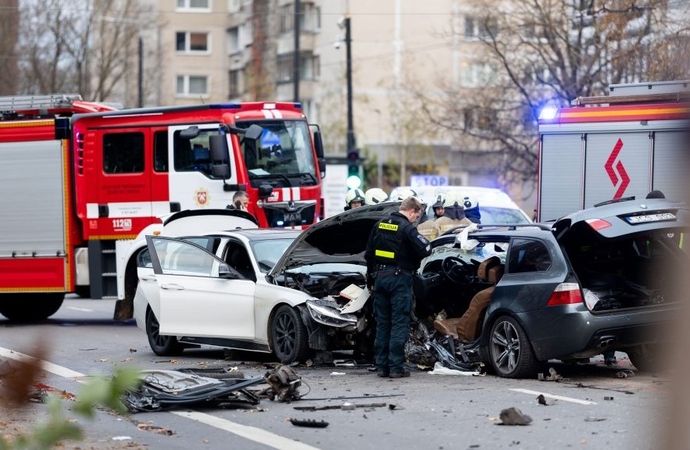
(596, 280)
(260, 290)
(496, 206)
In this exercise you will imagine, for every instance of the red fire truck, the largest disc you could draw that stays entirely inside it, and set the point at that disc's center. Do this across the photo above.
(79, 177)
(608, 147)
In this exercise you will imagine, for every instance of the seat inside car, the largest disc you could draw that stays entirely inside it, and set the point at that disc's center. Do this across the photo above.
(461, 327)
(239, 260)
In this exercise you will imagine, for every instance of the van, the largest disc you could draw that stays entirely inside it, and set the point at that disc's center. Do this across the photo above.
(495, 206)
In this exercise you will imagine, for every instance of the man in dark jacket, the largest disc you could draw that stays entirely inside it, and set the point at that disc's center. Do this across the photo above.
(393, 253)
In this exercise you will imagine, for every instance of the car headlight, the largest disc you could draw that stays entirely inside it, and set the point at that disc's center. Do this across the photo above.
(328, 315)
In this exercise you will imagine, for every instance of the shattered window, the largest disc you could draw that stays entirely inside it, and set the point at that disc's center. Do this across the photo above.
(527, 255)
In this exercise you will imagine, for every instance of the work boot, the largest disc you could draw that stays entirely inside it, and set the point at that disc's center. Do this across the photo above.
(403, 374)
(382, 374)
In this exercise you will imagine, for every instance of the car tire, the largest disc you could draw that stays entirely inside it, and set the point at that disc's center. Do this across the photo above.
(648, 358)
(510, 351)
(161, 345)
(288, 335)
(30, 307)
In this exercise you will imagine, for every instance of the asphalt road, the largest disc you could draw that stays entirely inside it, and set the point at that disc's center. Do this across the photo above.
(592, 407)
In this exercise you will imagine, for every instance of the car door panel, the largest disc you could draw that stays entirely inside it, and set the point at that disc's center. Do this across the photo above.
(194, 299)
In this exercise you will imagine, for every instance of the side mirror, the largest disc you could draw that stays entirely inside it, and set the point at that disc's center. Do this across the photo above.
(322, 167)
(225, 272)
(220, 157)
(220, 171)
(318, 144)
(253, 132)
(265, 191)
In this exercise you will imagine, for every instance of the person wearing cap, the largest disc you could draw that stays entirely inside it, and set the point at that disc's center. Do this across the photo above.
(354, 199)
(393, 253)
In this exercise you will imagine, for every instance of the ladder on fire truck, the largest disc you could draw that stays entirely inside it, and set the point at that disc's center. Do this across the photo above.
(36, 102)
(636, 93)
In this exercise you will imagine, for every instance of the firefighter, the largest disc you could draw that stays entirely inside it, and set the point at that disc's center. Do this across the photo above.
(427, 227)
(354, 199)
(471, 208)
(394, 251)
(439, 206)
(453, 213)
(374, 196)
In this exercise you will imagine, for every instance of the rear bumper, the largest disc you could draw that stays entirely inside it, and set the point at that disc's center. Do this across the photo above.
(571, 331)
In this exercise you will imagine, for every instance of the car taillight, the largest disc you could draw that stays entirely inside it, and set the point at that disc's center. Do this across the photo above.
(565, 294)
(598, 224)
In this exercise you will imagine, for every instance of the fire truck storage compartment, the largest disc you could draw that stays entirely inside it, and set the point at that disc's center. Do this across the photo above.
(560, 175)
(33, 203)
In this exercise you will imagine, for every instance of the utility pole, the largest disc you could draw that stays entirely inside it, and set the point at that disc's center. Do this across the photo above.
(295, 61)
(140, 74)
(351, 145)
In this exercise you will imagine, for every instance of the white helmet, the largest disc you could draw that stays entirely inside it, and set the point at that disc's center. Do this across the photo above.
(452, 198)
(402, 194)
(374, 196)
(468, 203)
(439, 201)
(354, 195)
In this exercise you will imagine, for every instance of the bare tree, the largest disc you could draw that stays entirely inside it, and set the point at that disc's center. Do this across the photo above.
(550, 52)
(84, 46)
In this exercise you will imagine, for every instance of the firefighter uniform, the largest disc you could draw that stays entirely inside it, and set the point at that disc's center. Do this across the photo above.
(394, 251)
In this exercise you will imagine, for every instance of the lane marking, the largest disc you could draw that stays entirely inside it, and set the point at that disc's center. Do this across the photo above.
(252, 433)
(556, 397)
(248, 432)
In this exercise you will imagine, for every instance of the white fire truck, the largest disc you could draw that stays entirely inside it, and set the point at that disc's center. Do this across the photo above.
(625, 144)
(78, 177)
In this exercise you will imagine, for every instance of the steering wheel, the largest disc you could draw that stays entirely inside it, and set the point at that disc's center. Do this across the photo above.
(455, 269)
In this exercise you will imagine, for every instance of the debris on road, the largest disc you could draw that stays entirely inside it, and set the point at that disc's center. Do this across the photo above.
(161, 389)
(440, 369)
(155, 429)
(625, 374)
(541, 400)
(309, 423)
(345, 406)
(594, 419)
(552, 376)
(513, 416)
(283, 383)
(608, 398)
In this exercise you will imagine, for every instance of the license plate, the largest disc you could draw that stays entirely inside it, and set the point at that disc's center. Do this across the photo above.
(293, 217)
(651, 218)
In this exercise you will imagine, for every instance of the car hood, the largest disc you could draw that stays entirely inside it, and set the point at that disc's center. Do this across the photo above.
(339, 239)
(624, 218)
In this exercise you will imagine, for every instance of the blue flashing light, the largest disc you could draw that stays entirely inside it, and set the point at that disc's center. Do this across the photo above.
(548, 113)
(298, 105)
(224, 106)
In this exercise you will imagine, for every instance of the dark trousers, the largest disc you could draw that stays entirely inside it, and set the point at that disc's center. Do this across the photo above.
(393, 306)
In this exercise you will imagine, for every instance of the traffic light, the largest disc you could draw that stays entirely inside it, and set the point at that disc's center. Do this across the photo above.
(354, 179)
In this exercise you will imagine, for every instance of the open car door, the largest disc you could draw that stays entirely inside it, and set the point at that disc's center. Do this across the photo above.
(199, 294)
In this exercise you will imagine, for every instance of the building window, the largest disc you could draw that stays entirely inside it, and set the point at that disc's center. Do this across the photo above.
(234, 40)
(476, 27)
(287, 18)
(310, 17)
(191, 85)
(123, 153)
(192, 42)
(309, 66)
(234, 88)
(234, 6)
(285, 65)
(194, 5)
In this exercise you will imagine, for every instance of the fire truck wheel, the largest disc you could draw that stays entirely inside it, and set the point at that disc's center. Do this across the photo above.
(30, 307)
(161, 345)
(288, 335)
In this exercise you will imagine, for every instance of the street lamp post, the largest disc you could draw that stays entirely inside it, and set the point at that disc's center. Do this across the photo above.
(379, 156)
(351, 144)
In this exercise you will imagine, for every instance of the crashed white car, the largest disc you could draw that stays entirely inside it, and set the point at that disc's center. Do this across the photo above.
(277, 291)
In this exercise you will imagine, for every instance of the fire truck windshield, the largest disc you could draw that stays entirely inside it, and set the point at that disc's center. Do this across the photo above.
(283, 154)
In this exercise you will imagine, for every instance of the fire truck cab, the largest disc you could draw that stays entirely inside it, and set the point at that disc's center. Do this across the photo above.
(603, 148)
(87, 177)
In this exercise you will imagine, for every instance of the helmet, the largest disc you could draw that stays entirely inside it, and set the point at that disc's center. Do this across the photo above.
(374, 196)
(439, 201)
(354, 195)
(402, 194)
(469, 203)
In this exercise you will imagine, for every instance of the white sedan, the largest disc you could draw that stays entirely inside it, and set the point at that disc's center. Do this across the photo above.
(275, 291)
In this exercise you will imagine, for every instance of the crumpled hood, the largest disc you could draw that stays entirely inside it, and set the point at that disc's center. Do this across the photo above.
(339, 239)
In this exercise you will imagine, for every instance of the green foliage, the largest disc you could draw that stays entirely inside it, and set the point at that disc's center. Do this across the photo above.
(97, 392)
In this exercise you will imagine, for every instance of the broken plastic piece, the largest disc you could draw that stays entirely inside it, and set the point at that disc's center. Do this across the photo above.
(309, 423)
(513, 416)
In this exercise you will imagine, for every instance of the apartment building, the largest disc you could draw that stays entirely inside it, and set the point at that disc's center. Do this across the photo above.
(242, 50)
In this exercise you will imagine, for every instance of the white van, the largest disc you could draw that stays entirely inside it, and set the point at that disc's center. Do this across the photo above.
(495, 206)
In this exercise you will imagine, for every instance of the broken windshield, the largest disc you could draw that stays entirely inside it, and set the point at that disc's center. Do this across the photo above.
(282, 156)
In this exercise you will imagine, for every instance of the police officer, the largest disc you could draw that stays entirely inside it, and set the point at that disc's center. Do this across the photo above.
(393, 253)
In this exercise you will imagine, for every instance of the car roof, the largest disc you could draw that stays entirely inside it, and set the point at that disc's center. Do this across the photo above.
(260, 233)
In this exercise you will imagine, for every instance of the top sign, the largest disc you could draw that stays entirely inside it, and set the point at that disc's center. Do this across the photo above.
(428, 180)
